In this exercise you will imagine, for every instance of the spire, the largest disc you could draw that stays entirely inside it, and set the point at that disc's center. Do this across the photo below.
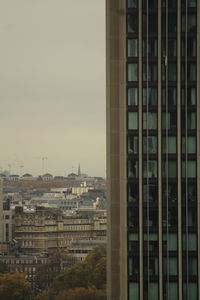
(79, 170)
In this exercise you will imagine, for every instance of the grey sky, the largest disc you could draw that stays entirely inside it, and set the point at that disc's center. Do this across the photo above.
(52, 85)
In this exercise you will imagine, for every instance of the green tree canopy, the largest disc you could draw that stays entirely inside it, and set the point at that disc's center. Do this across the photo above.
(14, 287)
(90, 293)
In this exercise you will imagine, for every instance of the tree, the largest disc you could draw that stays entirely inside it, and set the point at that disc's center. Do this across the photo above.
(14, 287)
(43, 296)
(90, 293)
(91, 272)
(3, 268)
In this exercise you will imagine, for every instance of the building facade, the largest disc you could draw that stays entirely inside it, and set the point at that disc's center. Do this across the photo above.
(153, 149)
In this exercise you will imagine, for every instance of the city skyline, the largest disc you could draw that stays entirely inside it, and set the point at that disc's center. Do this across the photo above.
(52, 86)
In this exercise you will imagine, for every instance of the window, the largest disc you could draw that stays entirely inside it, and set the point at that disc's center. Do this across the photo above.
(132, 168)
(172, 241)
(133, 194)
(191, 72)
(171, 51)
(132, 96)
(169, 145)
(152, 25)
(191, 241)
(191, 169)
(190, 292)
(153, 291)
(151, 119)
(191, 23)
(133, 23)
(171, 70)
(151, 172)
(133, 239)
(132, 3)
(191, 144)
(132, 120)
(151, 147)
(133, 291)
(173, 291)
(172, 265)
(151, 192)
(149, 97)
(169, 120)
(191, 47)
(132, 47)
(191, 120)
(133, 266)
(169, 169)
(132, 72)
(169, 193)
(151, 68)
(133, 218)
(191, 96)
(171, 95)
(149, 48)
(132, 144)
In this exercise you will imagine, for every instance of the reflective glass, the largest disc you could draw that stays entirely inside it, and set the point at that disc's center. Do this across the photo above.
(133, 194)
(171, 241)
(169, 169)
(132, 3)
(132, 120)
(152, 120)
(151, 96)
(132, 47)
(171, 48)
(191, 96)
(152, 72)
(192, 242)
(190, 292)
(171, 94)
(173, 291)
(153, 291)
(169, 120)
(132, 168)
(191, 47)
(133, 266)
(152, 169)
(132, 144)
(132, 72)
(170, 146)
(152, 144)
(132, 96)
(191, 144)
(133, 291)
(191, 23)
(133, 23)
(191, 169)
(152, 48)
(150, 191)
(191, 120)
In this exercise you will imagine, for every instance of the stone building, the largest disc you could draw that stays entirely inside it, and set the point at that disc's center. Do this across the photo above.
(46, 230)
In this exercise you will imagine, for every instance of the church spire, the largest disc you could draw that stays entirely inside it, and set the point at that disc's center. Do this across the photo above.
(79, 170)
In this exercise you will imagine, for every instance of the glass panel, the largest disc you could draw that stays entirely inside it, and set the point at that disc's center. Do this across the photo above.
(152, 96)
(171, 169)
(191, 120)
(169, 120)
(152, 72)
(132, 168)
(152, 48)
(153, 291)
(133, 23)
(190, 292)
(152, 120)
(152, 193)
(133, 291)
(132, 120)
(132, 48)
(171, 48)
(133, 192)
(170, 146)
(191, 144)
(173, 291)
(170, 193)
(191, 96)
(191, 3)
(132, 3)
(171, 96)
(191, 47)
(192, 242)
(173, 266)
(152, 23)
(191, 23)
(172, 241)
(152, 169)
(132, 144)
(191, 169)
(132, 96)
(132, 72)
(192, 266)
(152, 144)
(133, 266)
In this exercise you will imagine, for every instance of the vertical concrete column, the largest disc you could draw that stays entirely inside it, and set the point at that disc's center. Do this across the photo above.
(1, 210)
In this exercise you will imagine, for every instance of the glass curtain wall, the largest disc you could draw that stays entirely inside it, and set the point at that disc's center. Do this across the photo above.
(188, 148)
(132, 151)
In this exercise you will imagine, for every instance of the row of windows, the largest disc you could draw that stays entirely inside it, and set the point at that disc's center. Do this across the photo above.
(132, 47)
(150, 96)
(168, 144)
(169, 120)
(169, 169)
(170, 72)
(153, 4)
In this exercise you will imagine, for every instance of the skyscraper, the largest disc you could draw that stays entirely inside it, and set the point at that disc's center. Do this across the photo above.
(153, 149)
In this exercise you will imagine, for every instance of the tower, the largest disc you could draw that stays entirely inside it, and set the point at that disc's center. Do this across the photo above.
(79, 170)
(153, 149)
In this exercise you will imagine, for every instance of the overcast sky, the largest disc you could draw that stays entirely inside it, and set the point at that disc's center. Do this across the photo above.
(52, 85)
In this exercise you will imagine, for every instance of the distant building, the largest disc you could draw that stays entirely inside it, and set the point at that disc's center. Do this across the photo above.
(46, 230)
(13, 177)
(47, 177)
(27, 176)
